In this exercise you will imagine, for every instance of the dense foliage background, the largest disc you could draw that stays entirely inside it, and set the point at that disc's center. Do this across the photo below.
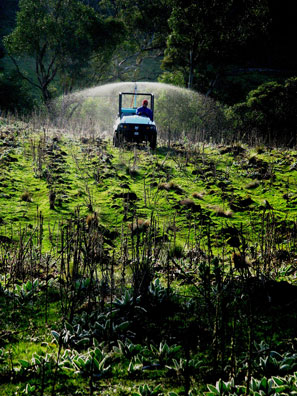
(225, 49)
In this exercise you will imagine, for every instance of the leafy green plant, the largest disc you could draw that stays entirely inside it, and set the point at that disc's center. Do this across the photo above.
(157, 291)
(224, 388)
(135, 366)
(83, 334)
(165, 353)
(273, 363)
(73, 335)
(146, 390)
(38, 363)
(263, 386)
(182, 366)
(128, 349)
(4, 361)
(276, 363)
(127, 303)
(82, 284)
(29, 389)
(94, 361)
(109, 330)
(26, 291)
(286, 385)
(257, 387)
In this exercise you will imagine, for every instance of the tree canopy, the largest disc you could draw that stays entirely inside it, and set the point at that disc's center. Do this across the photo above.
(146, 32)
(206, 36)
(223, 48)
(61, 36)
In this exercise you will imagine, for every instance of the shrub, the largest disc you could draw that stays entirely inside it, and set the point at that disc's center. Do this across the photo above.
(270, 111)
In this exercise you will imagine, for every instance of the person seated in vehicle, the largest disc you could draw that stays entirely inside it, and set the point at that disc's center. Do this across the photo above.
(144, 110)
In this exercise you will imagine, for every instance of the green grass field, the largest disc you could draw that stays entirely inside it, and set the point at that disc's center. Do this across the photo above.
(137, 272)
(182, 184)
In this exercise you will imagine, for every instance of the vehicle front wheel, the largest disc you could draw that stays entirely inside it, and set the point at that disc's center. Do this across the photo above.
(153, 142)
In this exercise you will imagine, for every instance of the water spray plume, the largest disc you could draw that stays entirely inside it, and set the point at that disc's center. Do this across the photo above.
(179, 112)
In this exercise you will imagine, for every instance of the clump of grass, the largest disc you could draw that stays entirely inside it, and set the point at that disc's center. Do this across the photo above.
(221, 212)
(240, 261)
(164, 186)
(254, 160)
(125, 186)
(139, 226)
(57, 138)
(252, 185)
(170, 186)
(260, 149)
(176, 251)
(26, 196)
(92, 220)
(132, 171)
(240, 204)
(172, 228)
(84, 140)
(198, 195)
(236, 149)
(189, 204)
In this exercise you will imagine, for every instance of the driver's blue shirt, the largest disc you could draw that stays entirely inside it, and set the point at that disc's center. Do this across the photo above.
(146, 111)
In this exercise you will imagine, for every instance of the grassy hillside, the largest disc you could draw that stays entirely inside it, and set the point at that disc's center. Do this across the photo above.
(126, 267)
(222, 185)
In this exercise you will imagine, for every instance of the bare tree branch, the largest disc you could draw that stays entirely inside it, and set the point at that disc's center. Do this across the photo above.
(22, 75)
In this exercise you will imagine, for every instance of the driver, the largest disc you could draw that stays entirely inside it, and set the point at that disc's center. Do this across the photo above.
(144, 110)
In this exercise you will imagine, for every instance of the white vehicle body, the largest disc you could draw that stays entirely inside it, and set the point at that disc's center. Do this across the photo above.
(131, 127)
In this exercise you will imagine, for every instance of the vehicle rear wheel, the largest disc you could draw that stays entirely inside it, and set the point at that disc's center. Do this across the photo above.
(153, 142)
(117, 140)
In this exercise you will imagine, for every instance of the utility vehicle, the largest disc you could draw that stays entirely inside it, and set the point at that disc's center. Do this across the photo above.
(133, 127)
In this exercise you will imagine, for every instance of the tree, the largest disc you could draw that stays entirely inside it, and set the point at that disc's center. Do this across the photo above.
(61, 36)
(146, 22)
(146, 32)
(283, 33)
(207, 35)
